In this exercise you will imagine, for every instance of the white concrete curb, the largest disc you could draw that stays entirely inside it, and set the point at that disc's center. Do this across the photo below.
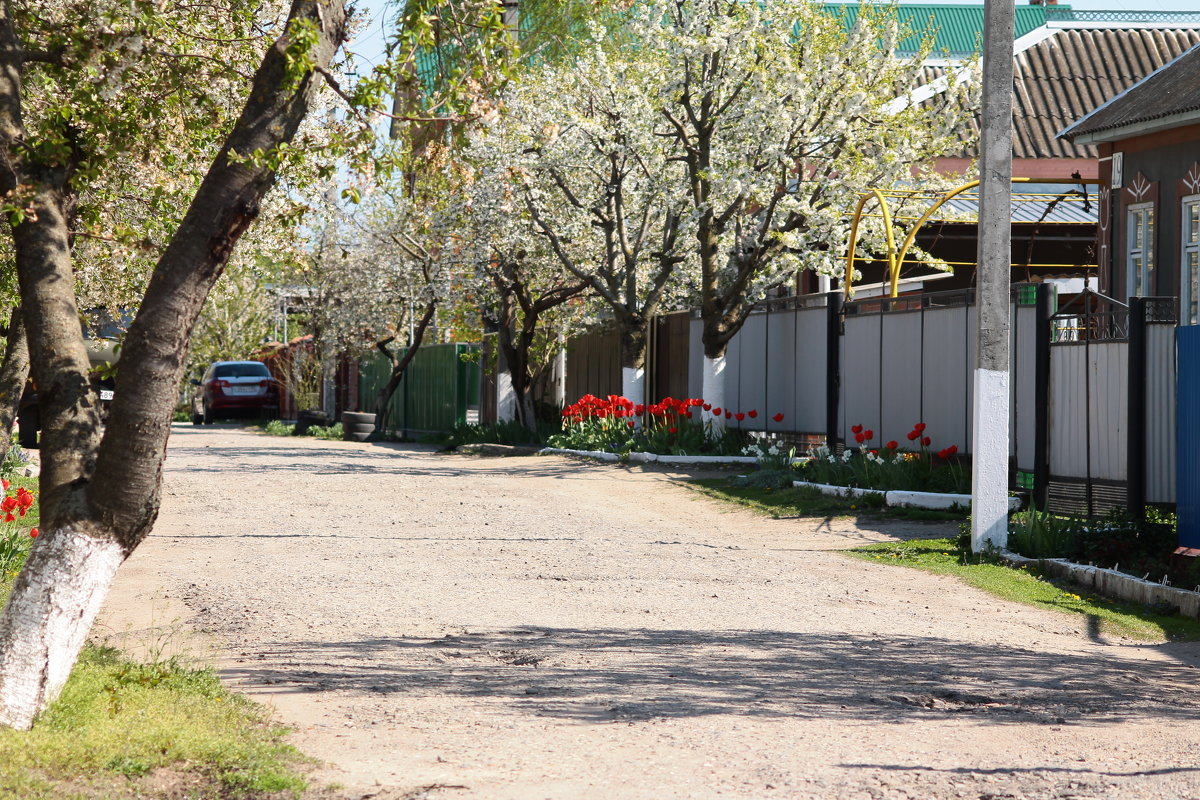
(932, 500)
(1111, 583)
(649, 457)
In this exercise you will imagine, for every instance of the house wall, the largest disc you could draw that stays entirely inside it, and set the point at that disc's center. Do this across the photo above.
(1158, 168)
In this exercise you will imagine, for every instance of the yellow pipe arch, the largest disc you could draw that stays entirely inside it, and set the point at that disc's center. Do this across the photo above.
(894, 259)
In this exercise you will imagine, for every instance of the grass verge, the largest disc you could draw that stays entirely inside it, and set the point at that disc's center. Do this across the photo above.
(1027, 586)
(123, 730)
(807, 502)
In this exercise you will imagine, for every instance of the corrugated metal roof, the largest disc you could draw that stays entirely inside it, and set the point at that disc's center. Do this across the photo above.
(1173, 90)
(1064, 77)
(1071, 207)
(957, 29)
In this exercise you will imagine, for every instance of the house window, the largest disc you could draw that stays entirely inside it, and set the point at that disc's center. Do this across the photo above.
(1189, 283)
(1139, 249)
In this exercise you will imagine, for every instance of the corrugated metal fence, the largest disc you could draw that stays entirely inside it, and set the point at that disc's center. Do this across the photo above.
(440, 388)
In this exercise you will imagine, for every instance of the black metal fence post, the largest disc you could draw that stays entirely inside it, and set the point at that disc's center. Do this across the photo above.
(1135, 452)
(1043, 311)
(833, 369)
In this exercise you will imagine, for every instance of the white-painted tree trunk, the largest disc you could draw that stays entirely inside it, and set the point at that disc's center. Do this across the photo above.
(506, 398)
(48, 618)
(633, 384)
(989, 460)
(712, 389)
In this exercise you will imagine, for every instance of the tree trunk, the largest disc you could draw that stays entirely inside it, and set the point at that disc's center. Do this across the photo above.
(383, 397)
(14, 374)
(100, 497)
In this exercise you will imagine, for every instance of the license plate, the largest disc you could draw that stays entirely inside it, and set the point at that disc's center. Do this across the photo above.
(106, 394)
(242, 390)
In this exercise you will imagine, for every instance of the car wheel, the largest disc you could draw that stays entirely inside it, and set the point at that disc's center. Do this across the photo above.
(208, 417)
(197, 419)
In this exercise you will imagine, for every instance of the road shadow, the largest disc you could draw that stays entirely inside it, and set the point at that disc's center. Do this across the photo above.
(605, 675)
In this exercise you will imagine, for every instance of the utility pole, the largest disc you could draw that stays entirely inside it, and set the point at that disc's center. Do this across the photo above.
(990, 415)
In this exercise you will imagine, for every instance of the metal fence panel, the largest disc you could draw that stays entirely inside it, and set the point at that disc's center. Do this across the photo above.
(900, 362)
(1109, 410)
(811, 363)
(696, 358)
(1160, 413)
(438, 387)
(1068, 411)
(1024, 398)
(860, 374)
(946, 376)
(784, 350)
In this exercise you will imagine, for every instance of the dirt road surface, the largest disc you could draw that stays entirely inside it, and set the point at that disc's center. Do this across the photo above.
(444, 626)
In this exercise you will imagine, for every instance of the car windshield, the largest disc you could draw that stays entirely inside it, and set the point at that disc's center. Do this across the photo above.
(252, 370)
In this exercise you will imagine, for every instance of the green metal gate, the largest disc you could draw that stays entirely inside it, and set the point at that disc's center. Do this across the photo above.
(439, 391)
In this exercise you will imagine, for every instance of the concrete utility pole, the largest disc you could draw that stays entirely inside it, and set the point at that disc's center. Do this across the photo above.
(990, 415)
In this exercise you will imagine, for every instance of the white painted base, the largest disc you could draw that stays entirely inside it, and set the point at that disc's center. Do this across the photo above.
(48, 618)
(506, 398)
(989, 460)
(633, 384)
(712, 389)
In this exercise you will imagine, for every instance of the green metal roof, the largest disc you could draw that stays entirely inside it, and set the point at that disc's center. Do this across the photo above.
(958, 29)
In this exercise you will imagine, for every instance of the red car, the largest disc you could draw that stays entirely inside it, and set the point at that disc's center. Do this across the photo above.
(235, 388)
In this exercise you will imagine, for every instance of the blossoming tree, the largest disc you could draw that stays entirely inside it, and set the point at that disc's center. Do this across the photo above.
(578, 142)
(781, 116)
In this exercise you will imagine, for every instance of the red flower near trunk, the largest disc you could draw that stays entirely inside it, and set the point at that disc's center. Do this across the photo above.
(856, 429)
(717, 410)
(33, 533)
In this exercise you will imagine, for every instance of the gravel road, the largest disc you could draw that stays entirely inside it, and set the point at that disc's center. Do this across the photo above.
(445, 626)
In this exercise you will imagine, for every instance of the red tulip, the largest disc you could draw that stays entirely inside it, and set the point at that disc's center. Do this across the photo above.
(752, 413)
(912, 435)
(926, 441)
(33, 533)
(778, 417)
(892, 445)
(672, 430)
(856, 428)
(717, 410)
(858, 437)
(919, 427)
(707, 406)
(728, 415)
(740, 416)
(868, 434)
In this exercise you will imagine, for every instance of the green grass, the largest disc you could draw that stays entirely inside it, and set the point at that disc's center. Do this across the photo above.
(118, 721)
(807, 502)
(278, 428)
(1026, 586)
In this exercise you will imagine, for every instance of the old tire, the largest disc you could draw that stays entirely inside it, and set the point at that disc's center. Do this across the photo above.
(357, 426)
(309, 419)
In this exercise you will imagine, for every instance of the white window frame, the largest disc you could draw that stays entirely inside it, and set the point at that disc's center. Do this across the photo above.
(1189, 301)
(1139, 256)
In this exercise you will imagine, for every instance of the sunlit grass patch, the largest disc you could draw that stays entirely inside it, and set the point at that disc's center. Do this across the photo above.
(118, 722)
(1027, 586)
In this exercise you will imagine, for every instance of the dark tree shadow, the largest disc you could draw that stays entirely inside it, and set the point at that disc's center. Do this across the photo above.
(603, 675)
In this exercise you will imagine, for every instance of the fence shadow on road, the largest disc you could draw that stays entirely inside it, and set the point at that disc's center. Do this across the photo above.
(610, 675)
